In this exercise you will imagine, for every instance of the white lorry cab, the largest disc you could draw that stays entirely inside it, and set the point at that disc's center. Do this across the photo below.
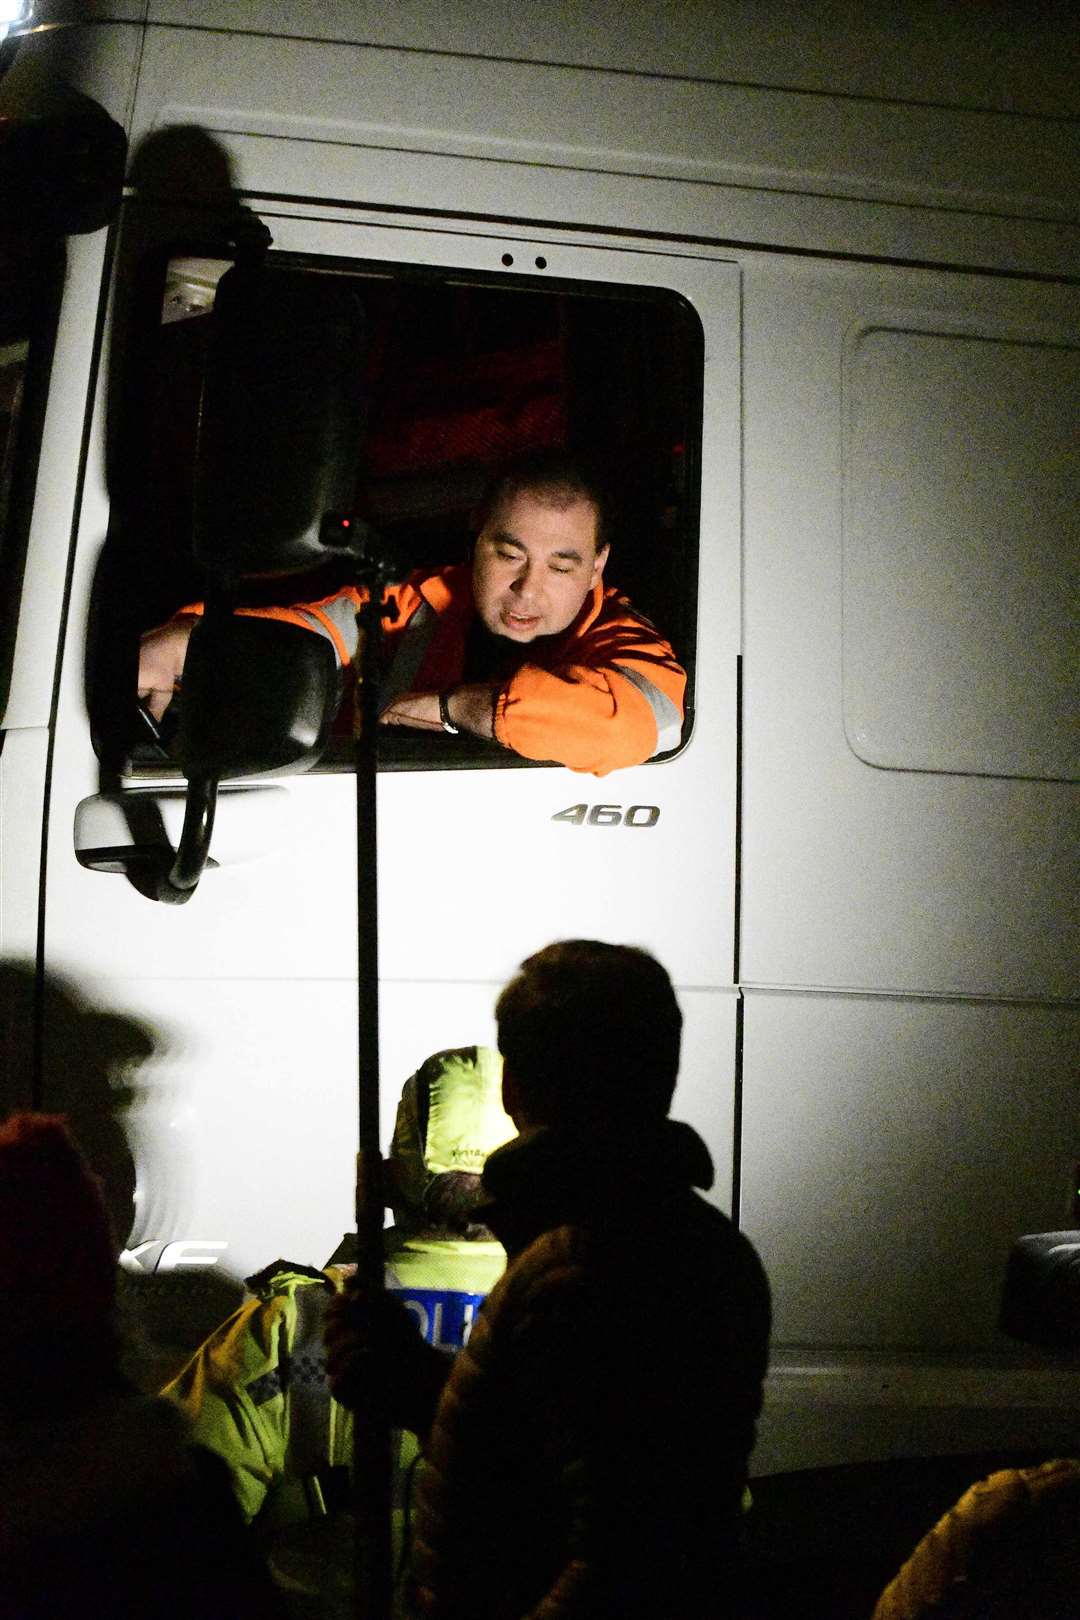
(808, 278)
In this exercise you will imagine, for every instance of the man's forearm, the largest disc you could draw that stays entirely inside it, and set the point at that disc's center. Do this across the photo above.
(471, 708)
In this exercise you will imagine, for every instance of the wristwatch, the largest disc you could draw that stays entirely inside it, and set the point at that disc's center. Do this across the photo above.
(444, 715)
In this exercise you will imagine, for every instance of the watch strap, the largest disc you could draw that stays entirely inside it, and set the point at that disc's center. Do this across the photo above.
(444, 715)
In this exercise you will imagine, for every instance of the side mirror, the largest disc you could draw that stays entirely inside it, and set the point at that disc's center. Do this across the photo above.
(258, 700)
(1040, 1300)
(278, 442)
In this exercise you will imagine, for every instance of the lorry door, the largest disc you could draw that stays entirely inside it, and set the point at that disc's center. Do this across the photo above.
(244, 1123)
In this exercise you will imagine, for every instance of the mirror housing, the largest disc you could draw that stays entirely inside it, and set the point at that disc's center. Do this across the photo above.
(258, 698)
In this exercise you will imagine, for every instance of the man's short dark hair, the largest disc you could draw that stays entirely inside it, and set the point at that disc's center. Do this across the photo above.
(591, 1031)
(554, 475)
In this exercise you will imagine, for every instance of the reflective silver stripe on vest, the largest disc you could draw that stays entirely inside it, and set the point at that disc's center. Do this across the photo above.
(306, 1382)
(667, 717)
(342, 615)
(413, 644)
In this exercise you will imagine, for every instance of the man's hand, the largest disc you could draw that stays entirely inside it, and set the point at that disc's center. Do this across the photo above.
(372, 1341)
(472, 708)
(161, 662)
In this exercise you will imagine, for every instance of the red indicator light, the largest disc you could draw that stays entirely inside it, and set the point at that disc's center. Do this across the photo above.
(346, 523)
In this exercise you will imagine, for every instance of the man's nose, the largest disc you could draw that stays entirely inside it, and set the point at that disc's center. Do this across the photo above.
(523, 583)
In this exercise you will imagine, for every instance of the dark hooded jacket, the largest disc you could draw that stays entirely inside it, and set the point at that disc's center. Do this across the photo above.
(589, 1453)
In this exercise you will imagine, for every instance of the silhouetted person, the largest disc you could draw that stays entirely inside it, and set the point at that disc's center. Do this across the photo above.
(586, 1453)
(105, 1506)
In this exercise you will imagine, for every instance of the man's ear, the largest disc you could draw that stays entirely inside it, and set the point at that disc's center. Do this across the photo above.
(600, 562)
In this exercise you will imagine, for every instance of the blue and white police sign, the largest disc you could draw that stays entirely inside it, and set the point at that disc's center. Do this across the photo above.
(444, 1317)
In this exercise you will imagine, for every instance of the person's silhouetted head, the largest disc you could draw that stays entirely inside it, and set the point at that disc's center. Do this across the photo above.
(590, 1035)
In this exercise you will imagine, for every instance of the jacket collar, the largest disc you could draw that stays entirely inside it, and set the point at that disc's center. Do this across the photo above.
(447, 588)
(551, 1177)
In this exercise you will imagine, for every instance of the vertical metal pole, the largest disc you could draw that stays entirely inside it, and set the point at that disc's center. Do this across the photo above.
(371, 1444)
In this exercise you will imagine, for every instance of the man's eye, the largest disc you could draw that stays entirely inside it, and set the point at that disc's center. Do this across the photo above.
(555, 570)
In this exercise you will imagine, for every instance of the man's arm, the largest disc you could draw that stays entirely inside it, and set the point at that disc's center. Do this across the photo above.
(615, 699)
(373, 1341)
(471, 708)
(163, 651)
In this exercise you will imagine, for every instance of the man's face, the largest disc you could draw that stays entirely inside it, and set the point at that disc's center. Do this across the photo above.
(534, 565)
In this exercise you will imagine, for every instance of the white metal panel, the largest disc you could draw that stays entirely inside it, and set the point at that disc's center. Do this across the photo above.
(38, 635)
(893, 1151)
(99, 10)
(244, 1146)
(509, 138)
(990, 56)
(246, 1155)
(101, 61)
(22, 796)
(852, 876)
(381, 178)
(584, 119)
(705, 1094)
(961, 638)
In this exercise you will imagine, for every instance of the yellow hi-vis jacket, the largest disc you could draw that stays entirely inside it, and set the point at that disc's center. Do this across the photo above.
(256, 1390)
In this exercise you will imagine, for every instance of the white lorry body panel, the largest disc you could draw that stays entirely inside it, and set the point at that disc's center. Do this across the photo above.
(872, 953)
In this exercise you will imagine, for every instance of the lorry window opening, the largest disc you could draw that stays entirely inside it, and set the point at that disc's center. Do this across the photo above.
(461, 370)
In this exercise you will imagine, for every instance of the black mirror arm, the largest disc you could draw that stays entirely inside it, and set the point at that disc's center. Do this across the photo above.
(178, 884)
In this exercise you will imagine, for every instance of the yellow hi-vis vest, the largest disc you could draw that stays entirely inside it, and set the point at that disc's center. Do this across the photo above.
(450, 1118)
(466, 1118)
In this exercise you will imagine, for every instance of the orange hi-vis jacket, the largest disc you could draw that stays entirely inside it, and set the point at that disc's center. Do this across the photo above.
(606, 693)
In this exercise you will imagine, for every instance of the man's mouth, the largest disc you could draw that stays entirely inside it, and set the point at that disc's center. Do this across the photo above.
(520, 621)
